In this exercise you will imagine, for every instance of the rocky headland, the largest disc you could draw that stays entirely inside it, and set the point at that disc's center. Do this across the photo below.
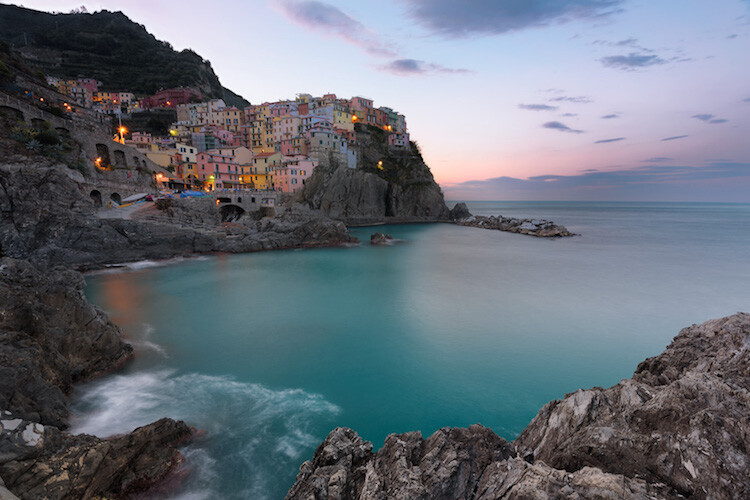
(388, 186)
(678, 429)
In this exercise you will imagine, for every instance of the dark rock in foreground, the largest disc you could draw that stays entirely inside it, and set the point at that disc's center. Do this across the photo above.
(50, 338)
(533, 227)
(38, 461)
(460, 211)
(682, 420)
(679, 428)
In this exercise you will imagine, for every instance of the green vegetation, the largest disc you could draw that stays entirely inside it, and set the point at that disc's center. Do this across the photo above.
(109, 47)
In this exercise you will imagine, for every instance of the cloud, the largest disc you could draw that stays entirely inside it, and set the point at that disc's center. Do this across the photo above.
(632, 61)
(561, 127)
(537, 107)
(717, 181)
(657, 159)
(609, 117)
(492, 17)
(710, 119)
(628, 42)
(604, 141)
(575, 100)
(676, 137)
(410, 67)
(329, 19)
(746, 100)
(569, 114)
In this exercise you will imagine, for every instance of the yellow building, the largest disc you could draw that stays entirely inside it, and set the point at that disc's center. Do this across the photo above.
(258, 174)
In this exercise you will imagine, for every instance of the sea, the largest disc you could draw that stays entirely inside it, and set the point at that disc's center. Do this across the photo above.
(448, 326)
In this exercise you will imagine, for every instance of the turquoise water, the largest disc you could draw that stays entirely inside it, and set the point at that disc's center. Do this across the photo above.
(450, 326)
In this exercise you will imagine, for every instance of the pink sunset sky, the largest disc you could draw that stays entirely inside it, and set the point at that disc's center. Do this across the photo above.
(508, 99)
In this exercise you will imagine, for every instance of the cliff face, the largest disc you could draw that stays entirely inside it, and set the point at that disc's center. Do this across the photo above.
(387, 186)
(677, 429)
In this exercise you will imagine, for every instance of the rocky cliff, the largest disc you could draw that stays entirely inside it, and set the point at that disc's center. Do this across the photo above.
(678, 429)
(388, 185)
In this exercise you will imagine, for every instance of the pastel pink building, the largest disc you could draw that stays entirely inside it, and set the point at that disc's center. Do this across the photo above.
(291, 175)
(218, 171)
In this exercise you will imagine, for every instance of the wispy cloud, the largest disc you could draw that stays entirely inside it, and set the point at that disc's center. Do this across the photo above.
(411, 67)
(561, 127)
(634, 60)
(657, 159)
(537, 107)
(746, 100)
(705, 117)
(674, 138)
(610, 117)
(331, 20)
(628, 42)
(569, 114)
(483, 17)
(605, 141)
(572, 99)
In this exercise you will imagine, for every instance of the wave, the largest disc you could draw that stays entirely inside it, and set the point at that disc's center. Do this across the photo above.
(256, 434)
(143, 264)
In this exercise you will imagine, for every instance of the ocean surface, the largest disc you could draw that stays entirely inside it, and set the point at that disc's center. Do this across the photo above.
(450, 326)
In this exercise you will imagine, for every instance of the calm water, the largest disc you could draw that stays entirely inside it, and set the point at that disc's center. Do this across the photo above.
(452, 326)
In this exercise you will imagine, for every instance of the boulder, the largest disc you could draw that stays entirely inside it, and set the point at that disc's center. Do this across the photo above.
(380, 239)
(460, 211)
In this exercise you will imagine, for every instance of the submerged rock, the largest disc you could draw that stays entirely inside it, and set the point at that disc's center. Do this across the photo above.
(679, 428)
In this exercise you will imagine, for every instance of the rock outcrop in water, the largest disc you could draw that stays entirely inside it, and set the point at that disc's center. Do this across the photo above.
(50, 338)
(678, 429)
(533, 227)
(388, 185)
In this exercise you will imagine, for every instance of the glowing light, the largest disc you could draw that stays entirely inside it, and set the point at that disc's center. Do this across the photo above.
(380, 164)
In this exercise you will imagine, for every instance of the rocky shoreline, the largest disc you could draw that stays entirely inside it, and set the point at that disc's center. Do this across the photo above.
(51, 338)
(678, 429)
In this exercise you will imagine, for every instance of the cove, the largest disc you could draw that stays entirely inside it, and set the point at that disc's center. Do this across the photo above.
(450, 326)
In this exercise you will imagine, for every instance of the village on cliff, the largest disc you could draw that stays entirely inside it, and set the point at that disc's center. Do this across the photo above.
(270, 146)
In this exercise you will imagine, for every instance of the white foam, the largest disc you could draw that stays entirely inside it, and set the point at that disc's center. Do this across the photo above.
(257, 432)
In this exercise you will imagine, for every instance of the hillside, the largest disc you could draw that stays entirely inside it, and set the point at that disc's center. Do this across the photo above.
(107, 46)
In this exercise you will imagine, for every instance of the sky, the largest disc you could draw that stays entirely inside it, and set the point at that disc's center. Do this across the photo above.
(601, 100)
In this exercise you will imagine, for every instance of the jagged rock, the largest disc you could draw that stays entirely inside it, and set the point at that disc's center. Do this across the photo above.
(38, 461)
(460, 211)
(539, 228)
(682, 420)
(471, 463)
(380, 239)
(678, 429)
(50, 338)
